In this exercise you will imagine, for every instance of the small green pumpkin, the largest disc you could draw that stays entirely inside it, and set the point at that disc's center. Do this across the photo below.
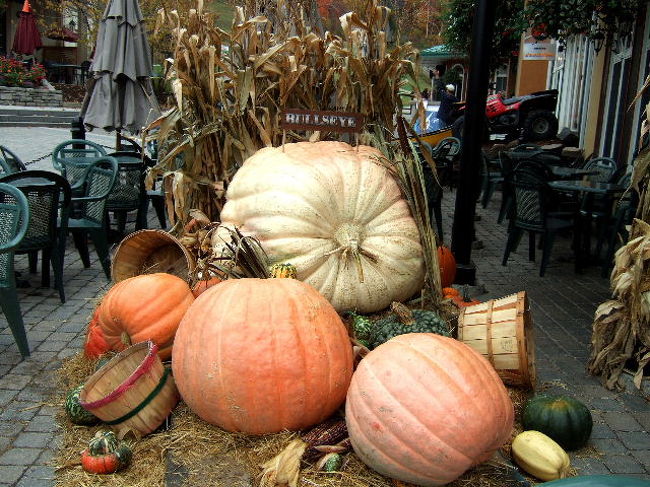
(565, 419)
(403, 320)
(74, 410)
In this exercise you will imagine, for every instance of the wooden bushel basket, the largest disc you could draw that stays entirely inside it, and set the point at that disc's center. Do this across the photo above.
(502, 331)
(133, 392)
(151, 251)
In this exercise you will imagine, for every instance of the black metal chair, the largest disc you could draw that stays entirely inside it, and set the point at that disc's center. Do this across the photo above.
(48, 195)
(532, 213)
(492, 174)
(14, 219)
(446, 154)
(89, 218)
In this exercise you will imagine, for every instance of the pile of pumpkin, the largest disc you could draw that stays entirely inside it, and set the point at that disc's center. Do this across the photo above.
(260, 356)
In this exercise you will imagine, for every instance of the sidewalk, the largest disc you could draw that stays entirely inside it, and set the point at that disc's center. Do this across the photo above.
(562, 303)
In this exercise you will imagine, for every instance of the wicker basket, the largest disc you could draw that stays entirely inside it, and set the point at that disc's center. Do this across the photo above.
(502, 331)
(151, 251)
(133, 392)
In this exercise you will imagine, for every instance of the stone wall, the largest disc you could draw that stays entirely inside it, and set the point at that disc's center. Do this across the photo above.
(30, 97)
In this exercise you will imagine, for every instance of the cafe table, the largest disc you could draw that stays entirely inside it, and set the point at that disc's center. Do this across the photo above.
(583, 217)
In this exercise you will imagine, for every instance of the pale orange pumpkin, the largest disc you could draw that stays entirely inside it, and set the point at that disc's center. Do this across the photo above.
(262, 355)
(423, 408)
(145, 307)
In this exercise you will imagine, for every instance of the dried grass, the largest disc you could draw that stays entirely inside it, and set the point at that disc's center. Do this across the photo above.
(208, 456)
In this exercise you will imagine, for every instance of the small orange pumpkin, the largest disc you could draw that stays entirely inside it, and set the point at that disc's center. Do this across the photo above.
(447, 264)
(144, 307)
(450, 292)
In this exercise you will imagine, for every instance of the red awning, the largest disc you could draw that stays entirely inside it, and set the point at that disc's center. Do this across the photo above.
(63, 34)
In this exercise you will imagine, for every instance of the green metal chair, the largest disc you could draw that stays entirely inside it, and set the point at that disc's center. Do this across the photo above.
(14, 219)
(12, 160)
(48, 195)
(89, 218)
(129, 193)
(72, 157)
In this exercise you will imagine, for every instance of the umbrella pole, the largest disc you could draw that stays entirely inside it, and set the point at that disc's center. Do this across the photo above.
(118, 136)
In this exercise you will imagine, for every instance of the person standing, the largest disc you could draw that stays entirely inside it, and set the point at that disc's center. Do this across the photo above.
(447, 100)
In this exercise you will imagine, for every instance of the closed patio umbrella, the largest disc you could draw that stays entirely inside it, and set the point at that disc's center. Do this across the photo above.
(27, 38)
(120, 95)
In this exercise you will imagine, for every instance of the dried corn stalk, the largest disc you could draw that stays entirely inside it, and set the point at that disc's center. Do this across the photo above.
(621, 328)
(231, 86)
(406, 168)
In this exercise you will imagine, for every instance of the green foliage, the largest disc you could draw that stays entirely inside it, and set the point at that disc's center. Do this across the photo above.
(458, 17)
(599, 19)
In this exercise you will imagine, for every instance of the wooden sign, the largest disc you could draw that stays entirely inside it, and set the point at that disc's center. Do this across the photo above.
(323, 121)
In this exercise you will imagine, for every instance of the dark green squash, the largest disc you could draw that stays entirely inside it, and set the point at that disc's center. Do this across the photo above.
(403, 320)
(74, 410)
(565, 419)
(598, 481)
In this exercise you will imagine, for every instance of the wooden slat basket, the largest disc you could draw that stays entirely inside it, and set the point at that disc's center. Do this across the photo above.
(502, 331)
(134, 391)
(151, 251)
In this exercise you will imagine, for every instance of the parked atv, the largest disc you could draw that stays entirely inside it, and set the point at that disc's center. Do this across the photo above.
(528, 117)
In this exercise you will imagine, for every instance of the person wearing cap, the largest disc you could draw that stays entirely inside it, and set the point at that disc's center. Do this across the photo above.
(447, 100)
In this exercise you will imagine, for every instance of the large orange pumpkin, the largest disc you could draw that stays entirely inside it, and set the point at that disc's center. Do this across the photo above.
(95, 344)
(262, 355)
(423, 408)
(447, 264)
(145, 307)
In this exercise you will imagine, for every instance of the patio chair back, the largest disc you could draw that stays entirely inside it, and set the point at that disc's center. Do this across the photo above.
(72, 157)
(98, 179)
(604, 167)
(530, 190)
(11, 160)
(14, 218)
(47, 193)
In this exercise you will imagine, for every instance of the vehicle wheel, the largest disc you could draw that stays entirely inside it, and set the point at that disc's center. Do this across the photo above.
(540, 125)
(457, 127)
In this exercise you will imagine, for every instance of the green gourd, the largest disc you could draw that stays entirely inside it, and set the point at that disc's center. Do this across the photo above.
(333, 462)
(74, 410)
(598, 481)
(362, 327)
(403, 320)
(565, 419)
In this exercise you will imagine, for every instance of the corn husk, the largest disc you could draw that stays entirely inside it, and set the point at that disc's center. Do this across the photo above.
(230, 87)
(621, 328)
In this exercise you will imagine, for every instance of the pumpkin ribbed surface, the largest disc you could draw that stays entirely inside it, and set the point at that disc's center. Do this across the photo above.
(337, 215)
(145, 307)
(423, 408)
(262, 355)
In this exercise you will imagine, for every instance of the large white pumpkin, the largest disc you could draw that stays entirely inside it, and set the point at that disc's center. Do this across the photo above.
(335, 213)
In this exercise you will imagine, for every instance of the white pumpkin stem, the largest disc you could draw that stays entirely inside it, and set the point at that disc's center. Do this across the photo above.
(348, 236)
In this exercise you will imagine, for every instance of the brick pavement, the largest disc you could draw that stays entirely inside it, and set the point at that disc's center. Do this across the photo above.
(562, 304)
